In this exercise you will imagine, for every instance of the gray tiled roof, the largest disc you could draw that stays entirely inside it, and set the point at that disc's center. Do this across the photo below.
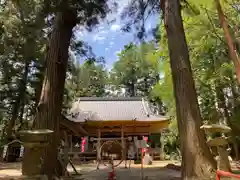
(109, 108)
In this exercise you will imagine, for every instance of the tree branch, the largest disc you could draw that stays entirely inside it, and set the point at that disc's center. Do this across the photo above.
(214, 29)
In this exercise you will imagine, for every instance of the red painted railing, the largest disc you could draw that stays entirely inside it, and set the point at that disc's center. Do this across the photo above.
(220, 174)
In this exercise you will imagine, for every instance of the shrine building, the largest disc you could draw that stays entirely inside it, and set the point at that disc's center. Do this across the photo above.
(98, 119)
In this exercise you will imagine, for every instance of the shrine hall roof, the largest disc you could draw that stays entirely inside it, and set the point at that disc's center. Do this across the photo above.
(112, 109)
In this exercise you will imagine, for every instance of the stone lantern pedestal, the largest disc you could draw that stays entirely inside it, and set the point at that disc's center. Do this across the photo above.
(220, 143)
(34, 142)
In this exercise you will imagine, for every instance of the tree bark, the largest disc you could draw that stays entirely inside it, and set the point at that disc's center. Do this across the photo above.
(230, 43)
(50, 104)
(197, 160)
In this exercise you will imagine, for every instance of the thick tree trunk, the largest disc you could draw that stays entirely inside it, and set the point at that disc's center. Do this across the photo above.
(50, 104)
(230, 43)
(197, 160)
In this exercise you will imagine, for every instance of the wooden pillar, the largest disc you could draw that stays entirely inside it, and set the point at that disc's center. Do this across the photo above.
(98, 148)
(150, 147)
(71, 143)
(123, 146)
(65, 152)
(162, 154)
(136, 146)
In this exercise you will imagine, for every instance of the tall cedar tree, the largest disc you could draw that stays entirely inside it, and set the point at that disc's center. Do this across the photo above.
(50, 103)
(68, 14)
(197, 161)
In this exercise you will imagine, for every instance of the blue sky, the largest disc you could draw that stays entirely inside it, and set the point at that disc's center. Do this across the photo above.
(107, 39)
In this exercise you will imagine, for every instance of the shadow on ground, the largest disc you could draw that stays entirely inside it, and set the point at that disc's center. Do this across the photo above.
(157, 171)
(4, 166)
(133, 173)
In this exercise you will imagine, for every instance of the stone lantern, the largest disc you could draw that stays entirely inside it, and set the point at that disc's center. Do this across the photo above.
(220, 143)
(34, 142)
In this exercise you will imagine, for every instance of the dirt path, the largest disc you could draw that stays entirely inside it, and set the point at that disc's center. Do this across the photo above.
(152, 172)
(134, 173)
(10, 169)
(89, 172)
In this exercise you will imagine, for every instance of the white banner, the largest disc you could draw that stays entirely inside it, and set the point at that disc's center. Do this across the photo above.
(21, 151)
(4, 151)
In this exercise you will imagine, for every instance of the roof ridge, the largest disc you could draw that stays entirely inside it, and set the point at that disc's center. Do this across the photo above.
(108, 109)
(110, 98)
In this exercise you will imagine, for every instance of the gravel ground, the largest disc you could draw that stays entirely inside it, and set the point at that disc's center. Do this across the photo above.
(89, 172)
(156, 171)
(134, 173)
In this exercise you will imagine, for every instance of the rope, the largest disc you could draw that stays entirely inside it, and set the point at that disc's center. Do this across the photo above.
(110, 143)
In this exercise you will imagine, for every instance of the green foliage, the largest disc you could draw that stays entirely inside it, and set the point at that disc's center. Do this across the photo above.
(210, 60)
(19, 56)
(134, 70)
(88, 79)
(25, 34)
(143, 70)
(213, 69)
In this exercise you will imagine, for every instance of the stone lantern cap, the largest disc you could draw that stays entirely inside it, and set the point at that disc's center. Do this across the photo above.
(216, 128)
(218, 141)
(34, 135)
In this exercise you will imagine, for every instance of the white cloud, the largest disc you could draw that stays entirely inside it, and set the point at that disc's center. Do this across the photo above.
(115, 27)
(79, 33)
(100, 28)
(98, 37)
(106, 49)
(102, 32)
(111, 44)
(149, 26)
